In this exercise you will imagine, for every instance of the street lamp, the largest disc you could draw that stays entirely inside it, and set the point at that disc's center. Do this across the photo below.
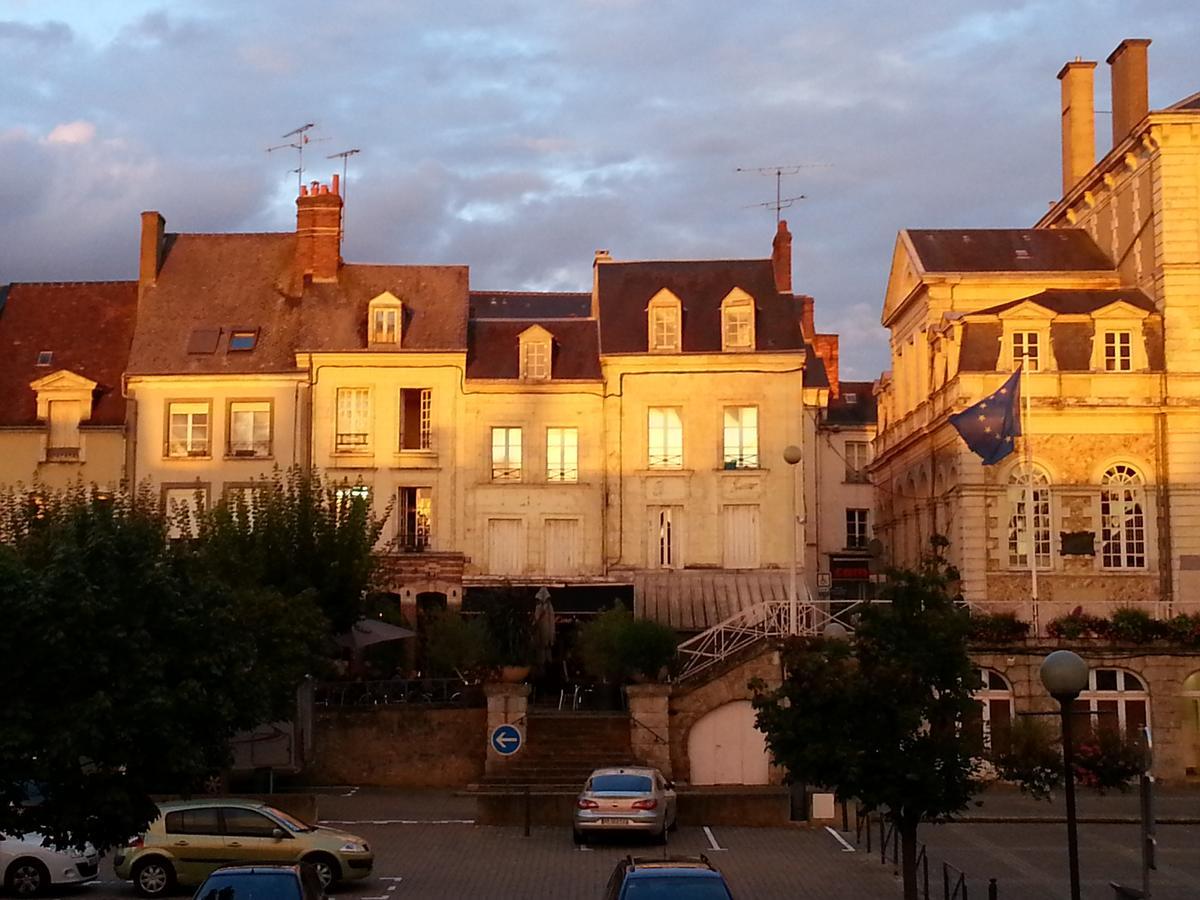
(792, 455)
(1065, 675)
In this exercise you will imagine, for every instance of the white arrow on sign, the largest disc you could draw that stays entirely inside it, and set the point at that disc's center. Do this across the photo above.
(507, 740)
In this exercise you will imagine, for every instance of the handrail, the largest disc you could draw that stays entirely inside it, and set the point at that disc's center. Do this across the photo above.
(658, 737)
(959, 889)
(397, 691)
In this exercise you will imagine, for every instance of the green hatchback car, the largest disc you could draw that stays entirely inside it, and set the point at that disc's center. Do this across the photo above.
(192, 838)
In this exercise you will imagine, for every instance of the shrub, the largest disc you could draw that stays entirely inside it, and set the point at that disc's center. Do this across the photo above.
(1108, 759)
(1184, 629)
(647, 648)
(455, 644)
(1136, 626)
(615, 646)
(1077, 624)
(1031, 758)
(998, 628)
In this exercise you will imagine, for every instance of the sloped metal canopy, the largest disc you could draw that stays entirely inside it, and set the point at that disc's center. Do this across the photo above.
(693, 601)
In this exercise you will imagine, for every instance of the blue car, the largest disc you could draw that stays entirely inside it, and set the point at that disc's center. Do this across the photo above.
(672, 878)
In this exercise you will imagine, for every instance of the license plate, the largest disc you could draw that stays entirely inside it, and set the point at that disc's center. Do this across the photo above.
(615, 821)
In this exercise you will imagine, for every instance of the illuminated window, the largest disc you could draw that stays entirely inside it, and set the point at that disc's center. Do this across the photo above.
(1024, 485)
(664, 439)
(535, 360)
(188, 429)
(250, 428)
(415, 528)
(384, 321)
(506, 454)
(741, 437)
(562, 454)
(737, 321)
(664, 322)
(353, 419)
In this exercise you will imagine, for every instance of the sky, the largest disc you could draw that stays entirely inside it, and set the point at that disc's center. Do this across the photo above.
(520, 137)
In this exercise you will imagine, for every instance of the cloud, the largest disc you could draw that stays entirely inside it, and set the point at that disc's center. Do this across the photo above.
(78, 132)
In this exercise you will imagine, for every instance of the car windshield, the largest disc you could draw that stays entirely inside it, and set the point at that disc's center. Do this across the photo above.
(622, 784)
(674, 887)
(251, 886)
(291, 822)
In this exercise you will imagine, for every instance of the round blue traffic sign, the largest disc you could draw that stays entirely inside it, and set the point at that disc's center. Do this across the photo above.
(506, 739)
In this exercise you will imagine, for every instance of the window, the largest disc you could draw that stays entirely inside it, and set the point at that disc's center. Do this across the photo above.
(416, 419)
(740, 539)
(193, 821)
(535, 360)
(242, 340)
(856, 528)
(995, 699)
(353, 419)
(416, 517)
(1116, 701)
(247, 823)
(664, 537)
(203, 340)
(385, 321)
(187, 429)
(664, 328)
(383, 325)
(1025, 488)
(664, 439)
(1118, 351)
(347, 494)
(62, 443)
(1122, 519)
(858, 454)
(506, 454)
(45, 358)
(1025, 350)
(737, 325)
(741, 437)
(562, 454)
(182, 506)
(250, 428)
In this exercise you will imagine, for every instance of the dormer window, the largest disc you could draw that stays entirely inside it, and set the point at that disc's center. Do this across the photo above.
(737, 321)
(536, 354)
(384, 321)
(1026, 350)
(1118, 351)
(664, 324)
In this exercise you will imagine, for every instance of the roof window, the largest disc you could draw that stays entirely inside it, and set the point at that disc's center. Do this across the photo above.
(1022, 254)
(851, 397)
(242, 339)
(203, 340)
(45, 357)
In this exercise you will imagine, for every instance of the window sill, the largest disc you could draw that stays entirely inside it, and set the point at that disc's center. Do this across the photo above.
(668, 472)
(747, 470)
(235, 457)
(189, 458)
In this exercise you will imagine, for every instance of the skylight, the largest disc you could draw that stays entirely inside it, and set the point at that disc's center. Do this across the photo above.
(204, 340)
(243, 339)
(45, 357)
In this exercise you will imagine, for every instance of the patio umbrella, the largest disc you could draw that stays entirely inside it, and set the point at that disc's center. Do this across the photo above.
(367, 632)
(543, 624)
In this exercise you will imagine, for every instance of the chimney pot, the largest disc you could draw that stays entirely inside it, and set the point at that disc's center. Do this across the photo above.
(1130, 86)
(1078, 121)
(337, 185)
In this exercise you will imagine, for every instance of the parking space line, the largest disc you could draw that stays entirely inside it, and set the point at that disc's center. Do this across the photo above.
(712, 841)
(846, 848)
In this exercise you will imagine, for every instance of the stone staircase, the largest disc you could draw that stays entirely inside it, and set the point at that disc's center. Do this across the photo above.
(561, 750)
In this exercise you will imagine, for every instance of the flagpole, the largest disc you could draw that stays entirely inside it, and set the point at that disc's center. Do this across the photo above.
(1030, 510)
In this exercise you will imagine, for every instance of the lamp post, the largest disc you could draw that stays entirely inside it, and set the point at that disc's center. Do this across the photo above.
(792, 455)
(1065, 675)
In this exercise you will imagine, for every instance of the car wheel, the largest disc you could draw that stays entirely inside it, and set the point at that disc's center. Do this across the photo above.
(153, 877)
(579, 837)
(327, 868)
(661, 837)
(27, 878)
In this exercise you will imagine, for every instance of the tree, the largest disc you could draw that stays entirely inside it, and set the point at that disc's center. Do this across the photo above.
(127, 661)
(881, 717)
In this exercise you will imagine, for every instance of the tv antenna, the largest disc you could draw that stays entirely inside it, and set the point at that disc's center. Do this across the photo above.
(299, 139)
(780, 202)
(344, 156)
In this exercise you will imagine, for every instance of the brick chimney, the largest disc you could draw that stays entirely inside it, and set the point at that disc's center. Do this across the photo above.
(781, 258)
(826, 347)
(319, 231)
(153, 227)
(1130, 86)
(808, 327)
(1078, 121)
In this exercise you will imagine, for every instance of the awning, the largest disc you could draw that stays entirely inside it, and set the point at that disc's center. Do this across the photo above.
(694, 601)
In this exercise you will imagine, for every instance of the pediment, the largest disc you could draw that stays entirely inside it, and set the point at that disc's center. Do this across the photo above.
(1120, 309)
(63, 381)
(664, 298)
(736, 295)
(535, 333)
(904, 277)
(1027, 309)
(387, 298)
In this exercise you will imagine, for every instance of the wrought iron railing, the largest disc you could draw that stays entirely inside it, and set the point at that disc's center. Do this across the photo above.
(399, 692)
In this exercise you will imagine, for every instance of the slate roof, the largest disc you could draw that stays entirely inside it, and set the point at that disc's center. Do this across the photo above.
(530, 305)
(88, 327)
(627, 287)
(815, 373)
(1008, 250)
(1068, 302)
(861, 411)
(494, 348)
(228, 281)
(1188, 103)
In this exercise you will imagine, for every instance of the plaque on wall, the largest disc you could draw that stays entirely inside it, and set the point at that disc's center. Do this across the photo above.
(1078, 543)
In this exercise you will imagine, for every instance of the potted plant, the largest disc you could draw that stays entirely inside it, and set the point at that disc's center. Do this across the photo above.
(455, 645)
(616, 648)
(997, 628)
(507, 616)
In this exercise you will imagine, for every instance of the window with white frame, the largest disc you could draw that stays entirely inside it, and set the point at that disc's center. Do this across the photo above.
(737, 325)
(535, 359)
(188, 429)
(562, 454)
(664, 328)
(1116, 700)
(994, 695)
(858, 455)
(1026, 350)
(506, 454)
(1122, 518)
(347, 496)
(665, 523)
(1118, 351)
(1025, 488)
(664, 438)
(857, 533)
(250, 428)
(416, 419)
(384, 321)
(741, 437)
(414, 527)
(353, 419)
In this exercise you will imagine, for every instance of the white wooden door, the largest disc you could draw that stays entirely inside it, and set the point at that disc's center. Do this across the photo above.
(724, 747)
(64, 424)
(740, 526)
(562, 547)
(506, 546)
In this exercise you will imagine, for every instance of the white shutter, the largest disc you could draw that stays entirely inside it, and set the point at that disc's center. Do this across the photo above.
(64, 424)
(562, 550)
(505, 545)
(741, 536)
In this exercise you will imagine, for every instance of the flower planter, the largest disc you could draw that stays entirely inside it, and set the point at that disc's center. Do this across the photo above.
(514, 674)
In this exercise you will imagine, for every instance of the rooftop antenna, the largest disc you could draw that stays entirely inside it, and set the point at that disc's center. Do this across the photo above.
(344, 156)
(299, 139)
(780, 202)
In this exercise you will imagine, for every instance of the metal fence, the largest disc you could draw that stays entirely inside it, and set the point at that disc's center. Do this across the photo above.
(399, 692)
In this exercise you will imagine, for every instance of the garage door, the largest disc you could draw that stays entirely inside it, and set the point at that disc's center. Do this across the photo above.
(725, 748)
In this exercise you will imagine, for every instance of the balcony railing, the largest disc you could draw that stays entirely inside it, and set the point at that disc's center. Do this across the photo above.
(62, 454)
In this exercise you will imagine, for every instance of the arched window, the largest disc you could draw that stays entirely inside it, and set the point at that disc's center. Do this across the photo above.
(1115, 700)
(1191, 720)
(737, 321)
(1122, 518)
(1029, 489)
(664, 323)
(995, 698)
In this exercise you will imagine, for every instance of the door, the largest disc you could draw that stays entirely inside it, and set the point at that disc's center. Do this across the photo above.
(251, 836)
(505, 546)
(725, 747)
(562, 549)
(193, 837)
(741, 536)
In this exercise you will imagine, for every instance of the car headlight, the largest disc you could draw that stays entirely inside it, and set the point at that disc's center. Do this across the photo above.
(353, 847)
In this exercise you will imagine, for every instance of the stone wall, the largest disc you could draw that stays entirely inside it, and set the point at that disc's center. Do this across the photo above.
(398, 747)
(1163, 670)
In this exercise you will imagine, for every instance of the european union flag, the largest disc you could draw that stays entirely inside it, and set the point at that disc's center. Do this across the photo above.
(990, 425)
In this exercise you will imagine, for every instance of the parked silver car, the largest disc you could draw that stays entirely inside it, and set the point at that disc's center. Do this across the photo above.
(627, 799)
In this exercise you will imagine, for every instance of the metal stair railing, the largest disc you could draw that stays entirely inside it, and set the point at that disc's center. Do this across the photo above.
(769, 620)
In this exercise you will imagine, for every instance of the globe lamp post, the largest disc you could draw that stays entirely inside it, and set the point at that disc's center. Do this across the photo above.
(1065, 675)
(792, 455)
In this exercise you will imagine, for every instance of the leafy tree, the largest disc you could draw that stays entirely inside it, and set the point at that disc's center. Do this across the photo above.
(880, 717)
(128, 660)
